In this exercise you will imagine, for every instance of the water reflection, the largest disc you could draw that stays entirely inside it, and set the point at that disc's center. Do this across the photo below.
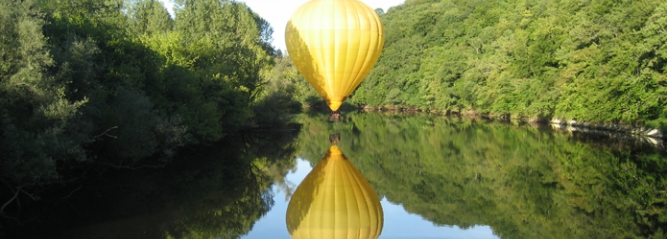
(437, 177)
(218, 191)
(521, 181)
(334, 201)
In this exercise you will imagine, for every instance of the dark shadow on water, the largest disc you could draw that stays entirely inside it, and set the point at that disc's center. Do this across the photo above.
(214, 191)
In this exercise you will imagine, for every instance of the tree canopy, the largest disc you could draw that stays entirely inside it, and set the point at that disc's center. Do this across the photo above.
(598, 60)
(123, 84)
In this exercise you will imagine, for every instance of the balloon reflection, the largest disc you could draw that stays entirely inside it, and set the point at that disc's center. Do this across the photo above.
(334, 201)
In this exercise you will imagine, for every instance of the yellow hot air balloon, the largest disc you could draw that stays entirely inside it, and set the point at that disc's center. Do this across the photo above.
(334, 44)
(334, 202)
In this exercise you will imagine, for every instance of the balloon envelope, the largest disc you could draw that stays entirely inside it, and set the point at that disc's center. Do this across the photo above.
(334, 202)
(334, 44)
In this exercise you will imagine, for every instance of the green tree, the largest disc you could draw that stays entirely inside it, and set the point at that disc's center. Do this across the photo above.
(89, 84)
(596, 61)
(149, 17)
(36, 118)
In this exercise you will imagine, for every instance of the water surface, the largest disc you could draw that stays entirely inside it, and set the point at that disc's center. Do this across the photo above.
(435, 177)
(398, 223)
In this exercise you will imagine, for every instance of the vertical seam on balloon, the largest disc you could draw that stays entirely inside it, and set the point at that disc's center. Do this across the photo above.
(352, 77)
(318, 68)
(321, 169)
(315, 53)
(340, 171)
(325, 196)
(370, 59)
(336, 171)
(321, 52)
(372, 52)
(358, 58)
(359, 191)
(305, 36)
(349, 67)
(359, 179)
(340, 75)
(334, 50)
(362, 8)
(332, 57)
(353, 177)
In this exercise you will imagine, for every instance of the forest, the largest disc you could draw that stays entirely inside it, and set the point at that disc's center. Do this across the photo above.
(593, 60)
(91, 85)
(87, 85)
(601, 61)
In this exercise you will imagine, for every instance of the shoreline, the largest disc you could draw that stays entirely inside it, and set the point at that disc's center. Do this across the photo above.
(555, 122)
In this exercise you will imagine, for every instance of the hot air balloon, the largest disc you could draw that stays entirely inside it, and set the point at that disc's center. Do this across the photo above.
(334, 202)
(334, 44)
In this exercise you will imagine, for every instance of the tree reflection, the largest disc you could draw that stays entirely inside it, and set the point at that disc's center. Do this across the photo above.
(335, 201)
(218, 191)
(524, 182)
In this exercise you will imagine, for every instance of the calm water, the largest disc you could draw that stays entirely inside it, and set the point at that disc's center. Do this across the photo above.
(398, 223)
(402, 176)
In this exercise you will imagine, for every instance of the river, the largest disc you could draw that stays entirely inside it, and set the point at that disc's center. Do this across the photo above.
(392, 175)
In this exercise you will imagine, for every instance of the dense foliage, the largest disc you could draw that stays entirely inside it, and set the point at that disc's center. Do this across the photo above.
(524, 182)
(123, 84)
(597, 60)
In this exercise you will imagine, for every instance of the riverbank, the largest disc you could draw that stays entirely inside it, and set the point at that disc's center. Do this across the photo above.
(556, 123)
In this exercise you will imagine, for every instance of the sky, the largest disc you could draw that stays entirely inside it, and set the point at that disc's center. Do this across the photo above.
(278, 12)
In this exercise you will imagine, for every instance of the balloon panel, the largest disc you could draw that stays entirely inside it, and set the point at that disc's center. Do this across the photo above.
(334, 44)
